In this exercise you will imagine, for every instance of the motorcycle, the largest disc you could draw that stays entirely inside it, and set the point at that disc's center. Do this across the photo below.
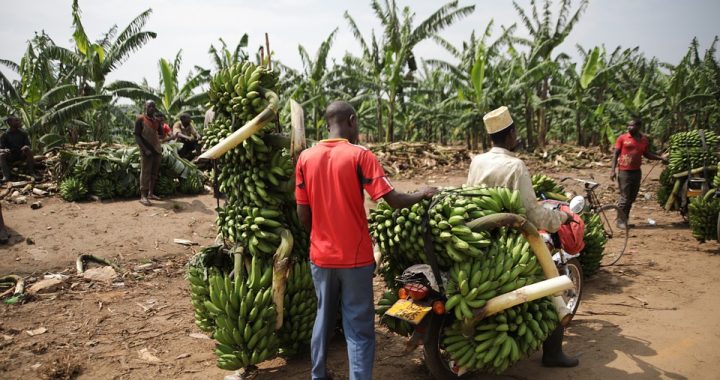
(422, 301)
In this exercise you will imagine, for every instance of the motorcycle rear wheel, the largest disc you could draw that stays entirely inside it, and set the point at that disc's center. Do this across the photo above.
(436, 360)
(572, 296)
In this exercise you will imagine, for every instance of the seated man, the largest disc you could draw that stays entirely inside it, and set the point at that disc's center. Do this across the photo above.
(164, 133)
(185, 132)
(500, 167)
(15, 146)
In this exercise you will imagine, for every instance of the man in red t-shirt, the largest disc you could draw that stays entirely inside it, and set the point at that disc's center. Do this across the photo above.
(630, 148)
(331, 178)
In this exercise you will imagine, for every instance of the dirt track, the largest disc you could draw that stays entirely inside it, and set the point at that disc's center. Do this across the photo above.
(655, 315)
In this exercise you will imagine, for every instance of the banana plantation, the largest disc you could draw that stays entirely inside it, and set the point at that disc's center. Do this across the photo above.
(584, 97)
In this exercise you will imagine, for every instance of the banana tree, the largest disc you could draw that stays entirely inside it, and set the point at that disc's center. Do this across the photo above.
(170, 96)
(91, 62)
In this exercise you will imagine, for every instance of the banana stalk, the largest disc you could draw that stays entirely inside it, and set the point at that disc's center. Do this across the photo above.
(525, 294)
(242, 134)
(19, 282)
(671, 199)
(281, 266)
(297, 136)
(536, 244)
(684, 174)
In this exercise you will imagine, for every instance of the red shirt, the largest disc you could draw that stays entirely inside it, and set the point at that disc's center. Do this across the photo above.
(631, 151)
(330, 178)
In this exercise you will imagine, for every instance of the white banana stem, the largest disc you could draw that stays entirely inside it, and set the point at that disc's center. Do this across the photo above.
(525, 294)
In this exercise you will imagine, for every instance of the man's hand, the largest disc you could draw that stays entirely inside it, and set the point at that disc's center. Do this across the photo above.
(146, 153)
(428, 192)
(570, 217)
(26, 148)
(664, 158)
(613, 175)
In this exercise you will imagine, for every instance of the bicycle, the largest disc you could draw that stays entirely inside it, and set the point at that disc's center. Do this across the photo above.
(611, 216)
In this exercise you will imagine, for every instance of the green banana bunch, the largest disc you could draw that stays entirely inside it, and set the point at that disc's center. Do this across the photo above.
(595, 241)
(102, 187)
(395, 325)
(73, 189)
(299, 316)
(716, 180)
(686, 150)
(703, 216)
(165, 185)
(193, 184)
(546, 187)
(501, 339)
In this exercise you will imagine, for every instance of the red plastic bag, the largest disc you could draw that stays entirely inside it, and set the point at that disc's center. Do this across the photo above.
(572, 235)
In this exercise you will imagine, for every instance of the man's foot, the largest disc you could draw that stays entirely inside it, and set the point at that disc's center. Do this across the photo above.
(145, 202)
(153, 197)
(559, 359)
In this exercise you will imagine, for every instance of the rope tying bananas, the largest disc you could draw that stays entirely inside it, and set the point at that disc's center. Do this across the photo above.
(480, 265)
(267, 306)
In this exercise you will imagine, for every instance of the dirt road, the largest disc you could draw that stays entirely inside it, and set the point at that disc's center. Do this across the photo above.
(652, 316)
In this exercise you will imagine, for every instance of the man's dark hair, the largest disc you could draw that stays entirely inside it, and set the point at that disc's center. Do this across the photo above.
(10, 117)
(185, 115)
(637, 121)
(500, 137)
(338, 112)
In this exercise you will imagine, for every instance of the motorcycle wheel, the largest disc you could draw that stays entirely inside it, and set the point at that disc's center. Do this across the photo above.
(436, 360)
(572, 296)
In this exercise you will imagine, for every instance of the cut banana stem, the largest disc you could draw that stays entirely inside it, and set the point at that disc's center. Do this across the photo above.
(525, 294)
(297, 136)
(238, 264)
(281, 266)
(684, 174)
(671, 199)
(244, 133)
(19, 282)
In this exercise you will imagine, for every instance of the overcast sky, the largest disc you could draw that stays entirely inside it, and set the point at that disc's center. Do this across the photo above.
(662, 28)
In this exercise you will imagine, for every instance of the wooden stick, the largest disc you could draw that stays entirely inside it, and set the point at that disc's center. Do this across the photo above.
(684, 174)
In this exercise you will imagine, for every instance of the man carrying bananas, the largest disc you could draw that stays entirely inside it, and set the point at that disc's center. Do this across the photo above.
(500, 167)
(630, 148)
(331, 178)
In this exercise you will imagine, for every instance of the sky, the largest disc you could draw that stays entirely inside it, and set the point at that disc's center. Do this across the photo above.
(661, 28)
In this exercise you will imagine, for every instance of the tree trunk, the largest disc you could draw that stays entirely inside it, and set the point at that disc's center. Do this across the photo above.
(578, 128)
(529, 124)
(378, 116)
(390, 136)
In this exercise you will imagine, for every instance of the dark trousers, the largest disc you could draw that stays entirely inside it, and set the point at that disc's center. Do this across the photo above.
(16, 155)
(629, 182)
(149, 172)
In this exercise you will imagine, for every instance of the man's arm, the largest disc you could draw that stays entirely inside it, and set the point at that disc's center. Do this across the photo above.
(305, 215)
(654, 156)
(403, 200)
(613, 174)
(539, 216)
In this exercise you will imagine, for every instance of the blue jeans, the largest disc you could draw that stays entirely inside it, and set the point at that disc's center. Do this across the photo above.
(351, 289)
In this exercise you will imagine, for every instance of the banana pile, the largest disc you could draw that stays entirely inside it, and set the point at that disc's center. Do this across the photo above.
(703, 216)
(110, 172)
(502, 339)
(267, 306)
(480, 266)
(687, 152)
(666, 184)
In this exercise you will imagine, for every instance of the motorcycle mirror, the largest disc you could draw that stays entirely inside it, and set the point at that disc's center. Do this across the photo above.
(577, 204)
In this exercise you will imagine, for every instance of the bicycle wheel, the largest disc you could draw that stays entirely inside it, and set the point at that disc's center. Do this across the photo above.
(617, 237)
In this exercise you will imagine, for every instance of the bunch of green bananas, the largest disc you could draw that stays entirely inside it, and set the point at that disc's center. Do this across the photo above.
(687, 152)
(501, 339)
(73, 189)
(703, 215)
(102, 187)
(199, 294)
(240, 89)
(595, 240)
(395, 325)
(193, 184)
(546, 188)
(716, 180)
(299, 317)
(508, 265)
(244, 316)
(165, 185)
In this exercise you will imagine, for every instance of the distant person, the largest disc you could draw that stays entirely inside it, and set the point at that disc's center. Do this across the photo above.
(164, 133)
(185, 132)
(147, 136)
(630, 148)
(331, 180)
(15, 146)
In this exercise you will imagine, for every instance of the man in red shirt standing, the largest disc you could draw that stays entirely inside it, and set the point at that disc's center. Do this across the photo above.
(331, 178)
(630, 148)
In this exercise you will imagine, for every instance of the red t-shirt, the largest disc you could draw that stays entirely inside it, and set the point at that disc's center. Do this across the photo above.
(631, 151)
(330, 178)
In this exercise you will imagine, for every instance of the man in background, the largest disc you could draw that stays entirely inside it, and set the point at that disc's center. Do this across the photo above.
(147, 136)
(185, 132)
(15, 146)
(630, 148)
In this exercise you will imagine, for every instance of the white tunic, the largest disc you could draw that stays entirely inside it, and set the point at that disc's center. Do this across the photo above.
(500, 167)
